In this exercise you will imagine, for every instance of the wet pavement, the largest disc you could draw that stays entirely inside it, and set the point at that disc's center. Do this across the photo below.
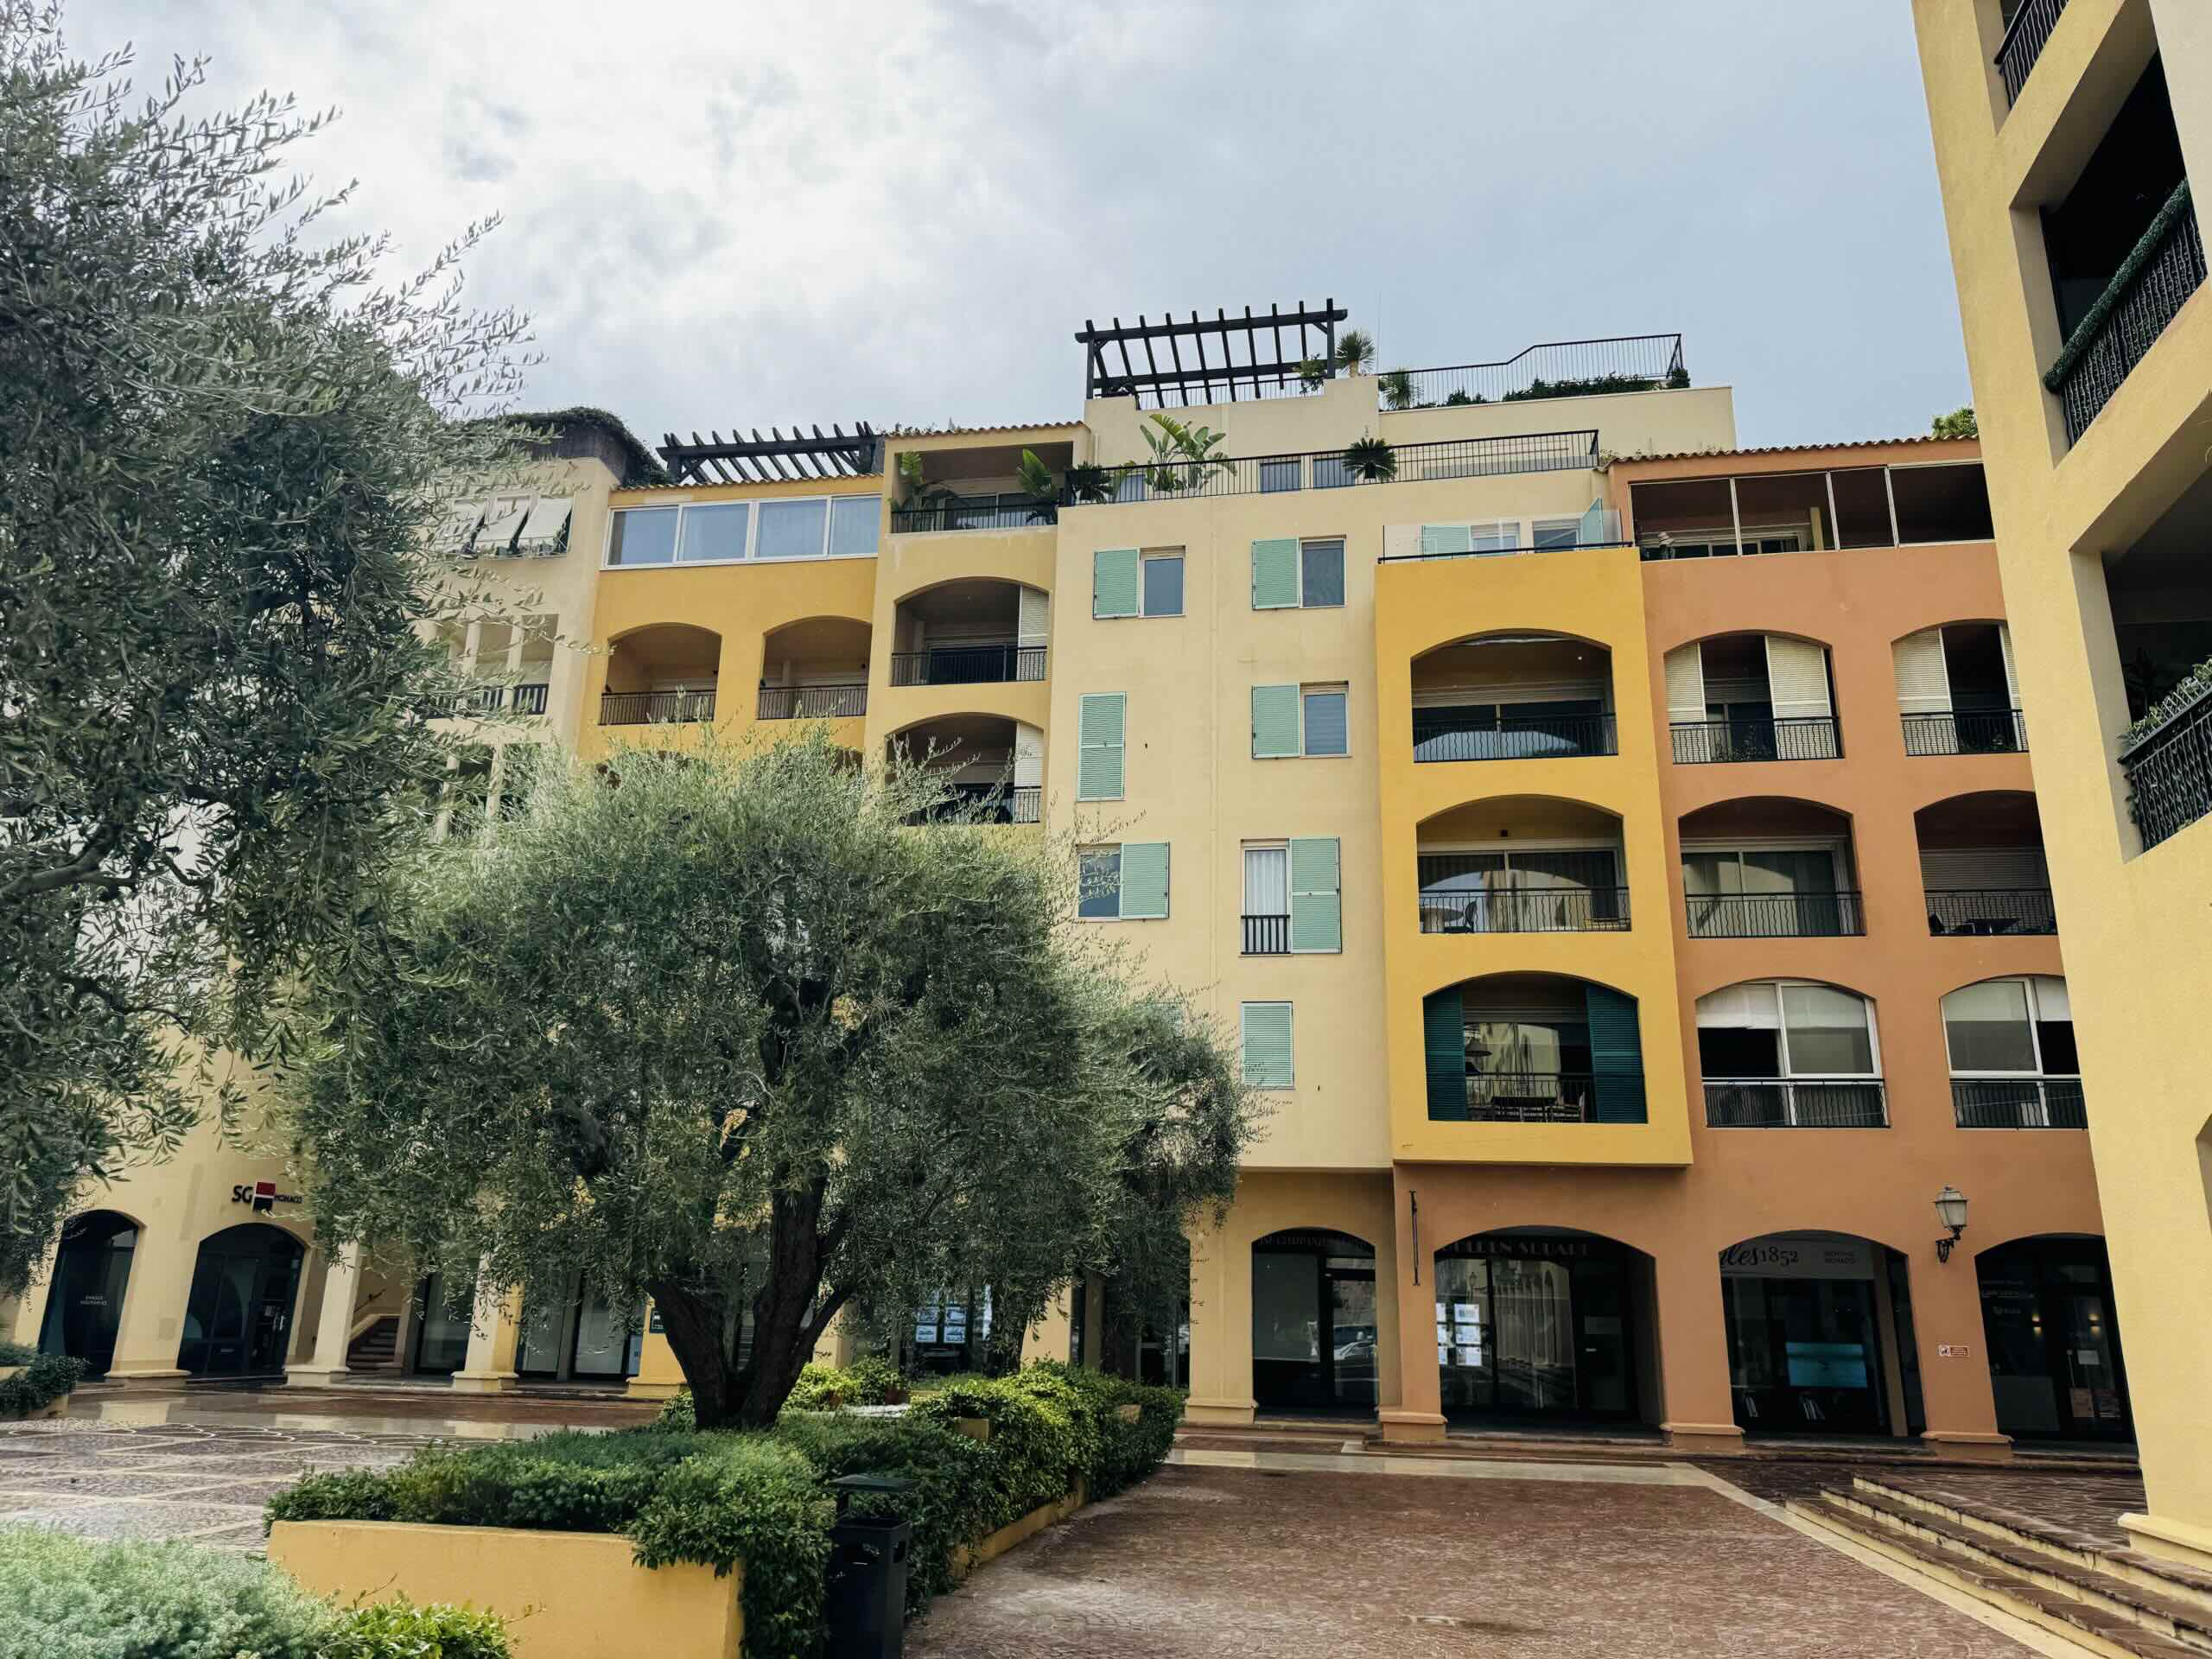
(1437, 1558)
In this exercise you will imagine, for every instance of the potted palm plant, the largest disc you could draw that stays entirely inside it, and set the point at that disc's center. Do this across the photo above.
(1089, 484)
(1371, 460)
(1397, 388)
(1355, 352)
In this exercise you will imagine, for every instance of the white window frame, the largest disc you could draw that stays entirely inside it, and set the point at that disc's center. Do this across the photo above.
(1344, 572)
(752, 554)
(1264, 844)
(2035, 1037)
(1341, 687)
(1147, 556)
(1775, 987)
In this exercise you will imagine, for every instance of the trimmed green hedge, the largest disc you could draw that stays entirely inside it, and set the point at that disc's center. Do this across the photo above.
(49, 1378)
(866, 1382)
(761, 1498)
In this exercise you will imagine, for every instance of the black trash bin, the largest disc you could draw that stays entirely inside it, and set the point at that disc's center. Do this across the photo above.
(864, 1599)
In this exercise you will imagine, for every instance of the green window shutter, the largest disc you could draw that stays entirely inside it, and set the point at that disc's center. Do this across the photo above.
(1443, 1045)
(1144, 881)
(1275, 721)
(1275, 575)
(1616, 1055)
(1446, 538)
(1114, 581)
(1316, 905)
(1266, 1046)
(1099, 722)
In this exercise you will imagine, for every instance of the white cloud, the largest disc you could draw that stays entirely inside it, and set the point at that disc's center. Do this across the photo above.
(770, 211)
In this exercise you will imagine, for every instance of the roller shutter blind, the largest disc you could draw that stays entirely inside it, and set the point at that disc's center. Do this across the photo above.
(1796, 678)
(1686, 684)
(1923, 682)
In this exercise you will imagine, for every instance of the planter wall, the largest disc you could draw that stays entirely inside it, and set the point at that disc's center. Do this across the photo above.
(967, 1557)
(565, 1595)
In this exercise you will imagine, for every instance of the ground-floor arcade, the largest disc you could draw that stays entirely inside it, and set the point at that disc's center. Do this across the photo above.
(1462, 1297)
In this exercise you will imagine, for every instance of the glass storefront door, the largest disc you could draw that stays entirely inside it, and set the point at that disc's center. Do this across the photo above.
(1804, 1354)
(239, 1312)
(1536, 1325)
(441, 1332)
(83, 1309)
(2055, 1363)
(1314, 1329)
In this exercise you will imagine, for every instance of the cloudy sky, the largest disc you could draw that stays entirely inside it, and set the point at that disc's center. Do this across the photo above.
(760, 212)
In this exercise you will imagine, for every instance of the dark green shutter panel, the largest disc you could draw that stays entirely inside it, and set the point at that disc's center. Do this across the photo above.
(1444, 1039)
(1616, 1055)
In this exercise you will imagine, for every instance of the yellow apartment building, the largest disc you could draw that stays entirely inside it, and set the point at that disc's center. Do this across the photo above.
(1614, 855)
(2068, 138)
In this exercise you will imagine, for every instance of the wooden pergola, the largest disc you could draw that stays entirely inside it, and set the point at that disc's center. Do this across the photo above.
(756, 459)
(1267, 359)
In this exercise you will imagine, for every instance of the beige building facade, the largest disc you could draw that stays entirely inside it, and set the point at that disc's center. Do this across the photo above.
(2068, 139)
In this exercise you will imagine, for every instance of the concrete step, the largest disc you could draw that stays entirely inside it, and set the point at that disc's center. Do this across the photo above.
(2100, 1615)
(375, 1347)
(2169, 1581)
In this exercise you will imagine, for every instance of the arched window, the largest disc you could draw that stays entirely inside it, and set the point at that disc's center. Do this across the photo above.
(1789, 1054)
(2014, 1062)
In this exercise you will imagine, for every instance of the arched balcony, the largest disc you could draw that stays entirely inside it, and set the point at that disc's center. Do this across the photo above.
(971, 633)
(1789, 1054)
(1533, 1048)
(994, 766)
(2013, 1061)
(1769, 868)
(1522, 696)
(1751, 696)
(815, 670)
(1981, 866)
(662, 673)
(1957, 691)
(1522, 864)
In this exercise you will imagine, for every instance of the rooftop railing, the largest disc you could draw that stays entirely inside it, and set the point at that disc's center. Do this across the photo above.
(1335, 470)
(1559, 368)
(2024, 40)
(2146, 292)
(1002, 511)
(2169, 770)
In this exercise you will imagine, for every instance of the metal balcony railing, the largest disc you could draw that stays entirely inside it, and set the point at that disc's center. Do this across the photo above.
(811, 702)
(1532, 1096)
(1267, 936)
(1002, 511)
(1465, 734)
(2024, 39)
(528, 698)
(1329, 469)
(2169, 772)
(1794, 737)
(1525, 910)
(1776, 915)
(1979, 912)
(967, 665)
(988, 804)
(1991, 731)
(651, 708)
(1564, 368)
(1796, 1103)
(2151, 285)
(2018, 1104)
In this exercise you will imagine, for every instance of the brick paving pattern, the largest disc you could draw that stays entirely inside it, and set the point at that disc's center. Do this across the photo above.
(1199, 1563)
(207, 1483)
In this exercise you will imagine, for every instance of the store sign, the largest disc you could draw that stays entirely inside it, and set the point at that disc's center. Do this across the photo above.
(262, 1196)
(1532, 1248)
(1799, 1255)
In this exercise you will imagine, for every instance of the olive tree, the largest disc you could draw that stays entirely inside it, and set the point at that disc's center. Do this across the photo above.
(221, 440)
(762, 1035)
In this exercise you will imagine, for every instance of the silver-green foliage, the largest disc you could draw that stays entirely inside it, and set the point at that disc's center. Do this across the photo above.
(221, 440)
(65, 1598)
(733, 1029)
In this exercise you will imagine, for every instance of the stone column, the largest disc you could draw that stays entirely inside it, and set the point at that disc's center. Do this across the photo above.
(1221, 1329)
(492, 1340)
(334, 1327)
(659, 1375)
(1954, 1357)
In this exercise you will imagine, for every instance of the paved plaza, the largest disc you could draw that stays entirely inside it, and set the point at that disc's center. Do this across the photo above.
(1519, 1561)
